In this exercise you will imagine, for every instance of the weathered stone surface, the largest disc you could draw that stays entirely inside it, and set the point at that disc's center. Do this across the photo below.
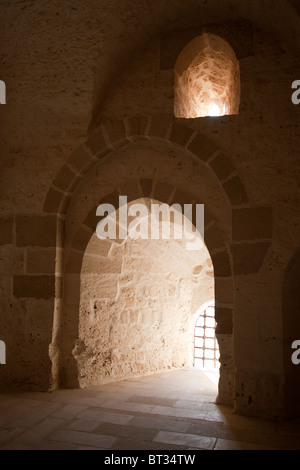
(79, 159)
(202, 147)
(53, 201)
(160, 124)
(249, 257)
(38, 287)
(221, 262)
(222, 166)
(137, 125)
(224, 320)
(82, 238)
(128, 302)
(64, 178)
(162, 192)
(36, 231)
(97, 143)
(91, 219)
(116, 130)
(235, 191)
(74, 262)
(39, 261)
(130, 188)
(213, 238)
(180, 134)
(146, 185)
(252, 223)
(6, 230)
(69, 87)
(224, 290)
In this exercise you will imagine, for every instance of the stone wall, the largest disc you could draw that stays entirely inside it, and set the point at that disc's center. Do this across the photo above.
(138, 307)
(87, 92)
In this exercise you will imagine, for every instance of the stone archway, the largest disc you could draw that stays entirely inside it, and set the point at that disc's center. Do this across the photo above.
(242, 250)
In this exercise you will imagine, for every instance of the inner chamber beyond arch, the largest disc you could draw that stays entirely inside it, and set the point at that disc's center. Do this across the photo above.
(138, 298)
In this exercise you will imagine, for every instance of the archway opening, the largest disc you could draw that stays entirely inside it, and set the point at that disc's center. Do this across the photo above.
(138, 300)
(207, 79)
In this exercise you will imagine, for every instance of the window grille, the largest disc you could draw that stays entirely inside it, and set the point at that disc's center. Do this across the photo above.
(206, 348)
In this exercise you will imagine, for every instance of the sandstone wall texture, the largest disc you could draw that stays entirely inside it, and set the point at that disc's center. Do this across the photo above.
(207, 79)
(89, 116)
(138, 307)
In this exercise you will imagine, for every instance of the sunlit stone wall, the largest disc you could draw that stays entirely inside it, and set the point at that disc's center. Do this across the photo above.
(138, 305)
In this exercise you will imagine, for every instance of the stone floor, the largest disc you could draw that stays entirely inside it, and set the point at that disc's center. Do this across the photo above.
(169, 411)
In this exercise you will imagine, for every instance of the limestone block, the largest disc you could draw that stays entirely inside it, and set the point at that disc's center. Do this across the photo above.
(40, 314)
(213, 238)
(14, 314)
(100, 289)
(82, 238)
(146, 185)
(36, 231)
(249, 257)
(180, 134)
(137, 125)
(224, 290)
(97, 144)
(38, 287)
(74, 261)
(235, 191)
(101, 266)
(40, 261)
(64, 178)
(6, 230)
(98, 247)
(12, 260)
(221, 263)
(79, 159)
(252, 223)
(160, 125)
(134, 316)
(222, 166)
(115, 130)
(162, 192)
(53, 200)
(202, 147)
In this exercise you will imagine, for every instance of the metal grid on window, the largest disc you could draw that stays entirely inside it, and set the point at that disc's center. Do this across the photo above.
(206, 348)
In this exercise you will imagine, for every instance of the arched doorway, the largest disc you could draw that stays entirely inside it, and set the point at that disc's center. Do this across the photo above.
(131, 169)
(139, 295)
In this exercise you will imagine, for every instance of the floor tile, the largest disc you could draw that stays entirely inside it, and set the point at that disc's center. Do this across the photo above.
(40, 431)
(83, 438)
(159, 423)
(225, 444)
(187, 440)
(102, 415)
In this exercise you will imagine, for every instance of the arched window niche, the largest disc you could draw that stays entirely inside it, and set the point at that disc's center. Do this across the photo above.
(207, 79)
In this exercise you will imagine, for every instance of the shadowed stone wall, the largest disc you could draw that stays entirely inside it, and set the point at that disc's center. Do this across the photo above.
(87, 92)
